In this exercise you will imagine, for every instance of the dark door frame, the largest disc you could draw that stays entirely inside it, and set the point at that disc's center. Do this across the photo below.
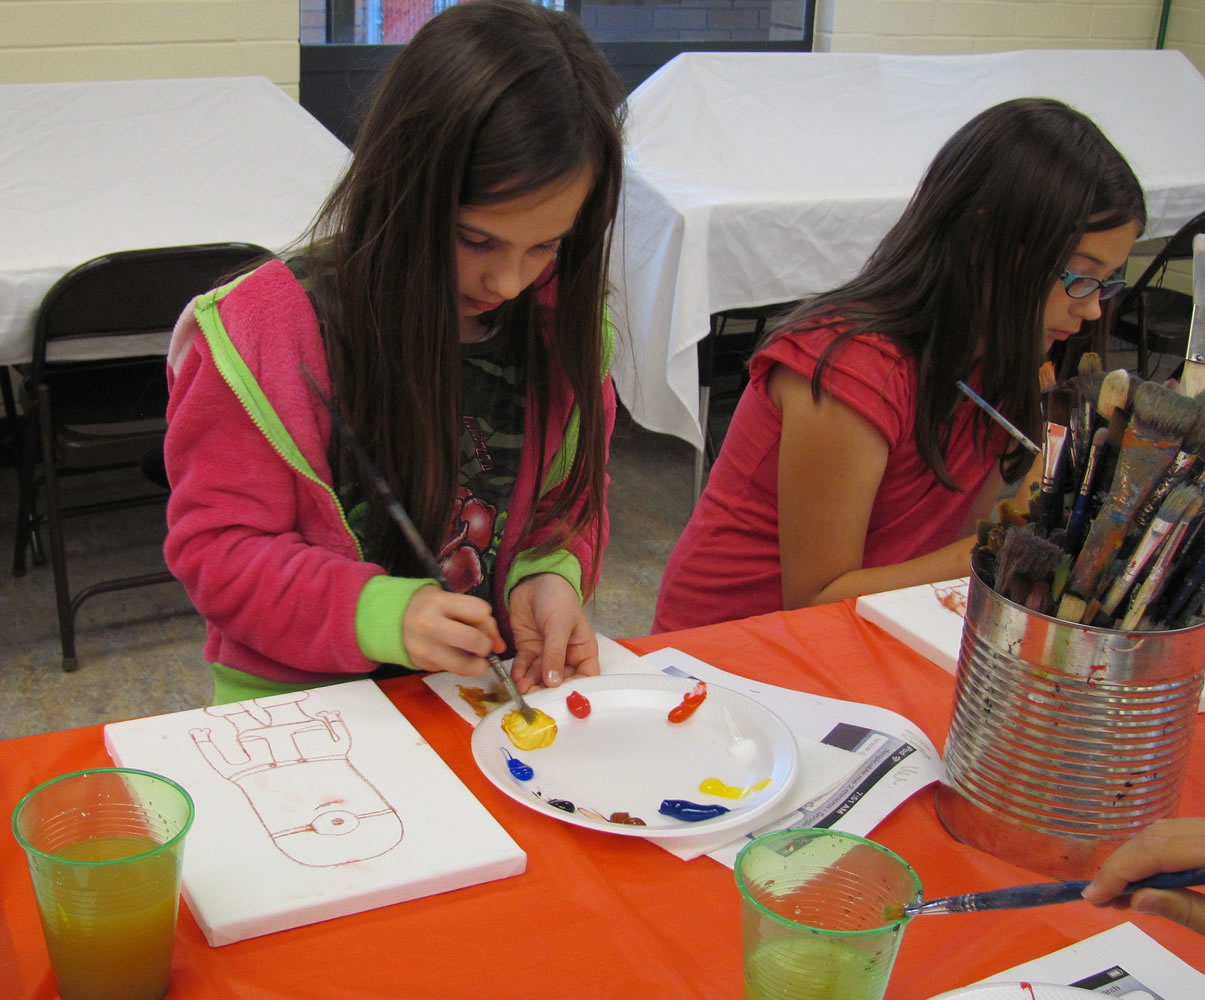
(337, 79)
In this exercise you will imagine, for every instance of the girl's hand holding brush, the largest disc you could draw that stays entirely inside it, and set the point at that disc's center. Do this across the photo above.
(443, 630)
(1164, 846)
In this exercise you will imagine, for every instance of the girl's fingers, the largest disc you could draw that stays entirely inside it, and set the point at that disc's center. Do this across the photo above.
(1180, 905)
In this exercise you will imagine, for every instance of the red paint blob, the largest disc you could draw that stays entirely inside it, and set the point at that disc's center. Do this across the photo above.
(690, 701)
(578, 704)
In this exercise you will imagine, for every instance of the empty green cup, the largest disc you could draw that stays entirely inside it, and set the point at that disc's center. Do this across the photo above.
(820, 915)
(105, 849)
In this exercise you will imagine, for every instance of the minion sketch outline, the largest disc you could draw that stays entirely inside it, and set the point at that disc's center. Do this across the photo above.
(294, 771)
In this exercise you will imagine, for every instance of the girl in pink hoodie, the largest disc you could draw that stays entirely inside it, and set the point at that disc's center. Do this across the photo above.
(449, 299)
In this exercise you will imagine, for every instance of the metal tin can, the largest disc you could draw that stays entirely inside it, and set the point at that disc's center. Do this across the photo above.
(1065, 739)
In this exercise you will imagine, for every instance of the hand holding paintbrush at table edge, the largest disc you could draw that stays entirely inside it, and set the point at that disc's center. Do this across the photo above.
(1167, 845)
(1023, 897)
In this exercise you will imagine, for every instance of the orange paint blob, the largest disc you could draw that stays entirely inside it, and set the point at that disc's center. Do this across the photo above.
(482, 702)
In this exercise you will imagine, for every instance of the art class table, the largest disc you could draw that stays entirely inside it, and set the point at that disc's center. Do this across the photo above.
(597, 915)
(96, 167)
(758, 178)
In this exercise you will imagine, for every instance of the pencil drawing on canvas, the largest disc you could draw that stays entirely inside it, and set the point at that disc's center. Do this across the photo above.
(294, 770)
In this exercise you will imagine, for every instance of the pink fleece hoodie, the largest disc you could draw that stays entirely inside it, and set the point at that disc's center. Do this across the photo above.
(255, 532)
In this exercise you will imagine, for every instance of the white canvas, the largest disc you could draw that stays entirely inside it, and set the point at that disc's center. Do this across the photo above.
(313, 805)
(928, 618)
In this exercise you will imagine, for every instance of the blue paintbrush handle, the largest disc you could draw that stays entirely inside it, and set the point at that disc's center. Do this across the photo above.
(1044, 893)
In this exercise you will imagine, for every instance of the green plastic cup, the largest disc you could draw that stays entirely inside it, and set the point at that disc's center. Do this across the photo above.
(817, 915)
(105, 849)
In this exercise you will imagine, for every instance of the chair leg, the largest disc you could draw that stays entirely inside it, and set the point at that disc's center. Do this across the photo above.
(54, 524)
(1143, 344)
(706, 356)
(701, 454)
(25, 538)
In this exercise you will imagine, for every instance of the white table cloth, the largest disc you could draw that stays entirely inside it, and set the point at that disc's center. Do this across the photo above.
(754, 178)
(97, 167)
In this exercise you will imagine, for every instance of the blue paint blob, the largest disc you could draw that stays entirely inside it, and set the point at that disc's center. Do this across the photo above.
(519, 771)
(690, 812)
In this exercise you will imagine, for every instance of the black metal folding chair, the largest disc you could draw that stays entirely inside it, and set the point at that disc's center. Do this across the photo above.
(1153, 318)
(89, 417)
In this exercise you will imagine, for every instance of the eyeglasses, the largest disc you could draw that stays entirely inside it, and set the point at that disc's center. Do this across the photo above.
(1080, 286)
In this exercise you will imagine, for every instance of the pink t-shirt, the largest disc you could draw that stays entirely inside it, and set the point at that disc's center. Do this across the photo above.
(726, 564)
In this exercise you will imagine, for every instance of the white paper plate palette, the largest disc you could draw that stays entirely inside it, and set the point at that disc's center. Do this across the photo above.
(627, 758)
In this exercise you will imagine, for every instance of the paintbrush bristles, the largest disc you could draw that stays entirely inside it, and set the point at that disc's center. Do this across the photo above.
(1087, 385)
(1163, 413)
(1058, 409)
(1024, 559)
(1090, 364)
(1194, 438)
(1114, 392)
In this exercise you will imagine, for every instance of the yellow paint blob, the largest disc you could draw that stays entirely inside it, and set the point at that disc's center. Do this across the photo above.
(534, 735)
(713, 786)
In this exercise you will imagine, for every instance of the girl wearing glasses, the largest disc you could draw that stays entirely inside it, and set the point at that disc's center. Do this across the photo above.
(853, 464)
(449, 300)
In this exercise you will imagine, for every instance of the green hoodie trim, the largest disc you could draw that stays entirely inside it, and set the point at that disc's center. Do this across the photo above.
(379, 611)
(231, 685)
(561, 562)
(237, 375)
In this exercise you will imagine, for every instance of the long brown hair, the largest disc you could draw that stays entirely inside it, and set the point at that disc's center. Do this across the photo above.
(963, 276)
(489, 101)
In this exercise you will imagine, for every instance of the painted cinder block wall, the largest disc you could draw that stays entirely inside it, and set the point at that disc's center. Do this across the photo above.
(935, 27)
(52, 40)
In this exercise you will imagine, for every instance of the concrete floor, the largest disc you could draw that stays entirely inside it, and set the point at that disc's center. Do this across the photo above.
(139, 651)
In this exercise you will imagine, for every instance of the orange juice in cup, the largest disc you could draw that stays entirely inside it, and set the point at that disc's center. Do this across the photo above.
(105, 849)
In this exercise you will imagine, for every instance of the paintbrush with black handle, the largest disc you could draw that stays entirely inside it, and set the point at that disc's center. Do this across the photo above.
(1022, 897)
(409, 531)
(1049, 506)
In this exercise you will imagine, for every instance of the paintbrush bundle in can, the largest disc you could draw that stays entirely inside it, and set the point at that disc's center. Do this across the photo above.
(1138, 495)
(1161, 418)
(1184, 466)
(1150, 588)
(1174, 514)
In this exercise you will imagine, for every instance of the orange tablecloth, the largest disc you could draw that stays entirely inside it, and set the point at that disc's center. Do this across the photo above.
(598, 915)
